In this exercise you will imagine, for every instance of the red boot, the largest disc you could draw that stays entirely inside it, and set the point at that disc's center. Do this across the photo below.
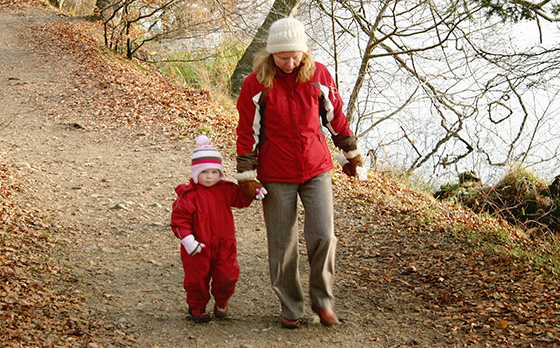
(220, 311)
(200, 315)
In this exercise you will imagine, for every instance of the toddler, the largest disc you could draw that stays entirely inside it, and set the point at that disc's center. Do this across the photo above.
(202, 218)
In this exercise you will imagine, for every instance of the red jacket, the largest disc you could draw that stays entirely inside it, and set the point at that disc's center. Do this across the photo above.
(279, 130)
(206, 211)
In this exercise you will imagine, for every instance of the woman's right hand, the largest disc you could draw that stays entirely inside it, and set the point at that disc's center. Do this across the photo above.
(252, 188)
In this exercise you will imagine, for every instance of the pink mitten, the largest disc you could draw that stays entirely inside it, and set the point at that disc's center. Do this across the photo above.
(260, 193)
(192, 245)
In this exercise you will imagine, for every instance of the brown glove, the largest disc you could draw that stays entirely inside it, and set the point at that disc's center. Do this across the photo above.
(249, 188)
(350, 167)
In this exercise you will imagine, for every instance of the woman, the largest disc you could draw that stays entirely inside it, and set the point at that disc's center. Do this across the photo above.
(282, 105)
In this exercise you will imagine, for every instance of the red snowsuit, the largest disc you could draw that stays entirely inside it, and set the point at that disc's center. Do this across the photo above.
(206, 213)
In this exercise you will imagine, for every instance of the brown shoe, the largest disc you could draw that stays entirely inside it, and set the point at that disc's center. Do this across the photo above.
(290, 324)
(327, 316)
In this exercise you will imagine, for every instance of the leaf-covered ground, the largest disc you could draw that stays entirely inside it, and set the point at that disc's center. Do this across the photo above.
(91, 147)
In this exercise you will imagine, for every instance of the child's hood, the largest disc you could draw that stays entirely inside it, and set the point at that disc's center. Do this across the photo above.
(184, 188)
(191, 186)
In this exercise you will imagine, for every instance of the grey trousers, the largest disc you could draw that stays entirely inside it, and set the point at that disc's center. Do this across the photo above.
(280, 213)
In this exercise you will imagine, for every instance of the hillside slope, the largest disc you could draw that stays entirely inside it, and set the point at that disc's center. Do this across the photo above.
(91, 149)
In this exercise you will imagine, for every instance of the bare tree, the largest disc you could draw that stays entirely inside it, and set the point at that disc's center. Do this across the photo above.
(432, 85)
(436, 85)
(516, 10)
(280, 9)
(131, 24)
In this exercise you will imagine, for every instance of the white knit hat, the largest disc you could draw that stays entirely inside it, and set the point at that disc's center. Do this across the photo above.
(286, 35)
(205, 156)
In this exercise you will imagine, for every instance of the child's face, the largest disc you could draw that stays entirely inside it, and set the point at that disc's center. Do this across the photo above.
(209, 177)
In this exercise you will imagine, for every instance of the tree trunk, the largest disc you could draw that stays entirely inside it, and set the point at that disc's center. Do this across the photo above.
(280, 9)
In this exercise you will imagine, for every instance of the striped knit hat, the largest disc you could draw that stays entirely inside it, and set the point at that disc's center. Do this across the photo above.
(205, 156)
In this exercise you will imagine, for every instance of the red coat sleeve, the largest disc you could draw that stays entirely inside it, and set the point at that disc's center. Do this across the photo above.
(248, 128)
(238, 200)
(182, 217)
(339, 120)
(331, 112)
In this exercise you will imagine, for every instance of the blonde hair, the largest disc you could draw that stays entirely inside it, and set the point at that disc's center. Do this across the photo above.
(263, 67)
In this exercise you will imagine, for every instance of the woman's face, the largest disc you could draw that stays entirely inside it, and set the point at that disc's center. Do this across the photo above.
(287, 61)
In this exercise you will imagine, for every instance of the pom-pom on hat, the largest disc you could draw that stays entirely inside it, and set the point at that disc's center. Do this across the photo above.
(205, 156)
(286, 35)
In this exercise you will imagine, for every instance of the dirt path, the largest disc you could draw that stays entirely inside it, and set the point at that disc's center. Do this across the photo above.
(112, 194)
(112, 191)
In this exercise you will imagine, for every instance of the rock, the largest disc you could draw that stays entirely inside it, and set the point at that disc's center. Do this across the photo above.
(122, 205)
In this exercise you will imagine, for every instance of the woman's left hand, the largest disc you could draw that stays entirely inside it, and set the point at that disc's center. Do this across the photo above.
(353, 163)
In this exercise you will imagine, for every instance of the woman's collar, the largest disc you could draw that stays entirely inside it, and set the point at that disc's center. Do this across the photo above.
(282, 73)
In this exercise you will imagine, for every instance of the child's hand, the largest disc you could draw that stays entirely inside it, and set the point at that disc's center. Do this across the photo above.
(192, 245)
(260, 193)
